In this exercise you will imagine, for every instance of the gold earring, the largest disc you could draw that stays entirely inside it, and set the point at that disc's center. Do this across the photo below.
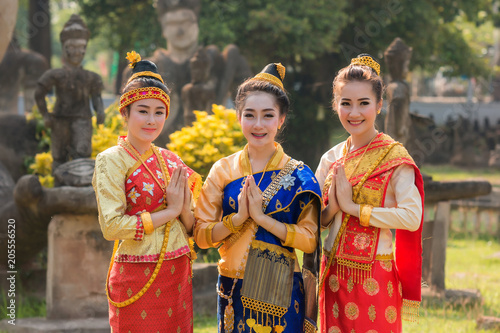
(378, 111)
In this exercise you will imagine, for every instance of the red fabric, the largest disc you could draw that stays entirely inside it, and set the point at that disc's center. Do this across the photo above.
(409, 258)
(166, 307)
(372, 306)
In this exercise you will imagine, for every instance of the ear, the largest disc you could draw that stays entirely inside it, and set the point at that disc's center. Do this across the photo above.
(281, 121)
(380, 104)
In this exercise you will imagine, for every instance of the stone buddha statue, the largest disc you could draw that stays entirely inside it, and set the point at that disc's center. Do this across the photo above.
(180, 28)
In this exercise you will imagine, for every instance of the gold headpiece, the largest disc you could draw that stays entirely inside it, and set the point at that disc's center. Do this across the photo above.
(273, 73)
(367, 61)
(134, 58)
(144, 93)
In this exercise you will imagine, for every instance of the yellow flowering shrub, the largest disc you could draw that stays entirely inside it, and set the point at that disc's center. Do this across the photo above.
(43, 168)
(210, 138)
(106, 135)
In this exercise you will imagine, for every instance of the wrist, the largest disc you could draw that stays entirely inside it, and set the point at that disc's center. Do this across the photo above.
(238, 219)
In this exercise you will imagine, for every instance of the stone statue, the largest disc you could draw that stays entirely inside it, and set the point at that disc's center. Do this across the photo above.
(32, 206)
(71, 120)
(199, 94)
(22, 68)
(7, 23)
(398, 122)
(179, 22)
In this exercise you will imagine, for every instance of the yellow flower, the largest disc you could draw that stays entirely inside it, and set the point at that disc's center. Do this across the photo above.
(208, 139)
(133, 57)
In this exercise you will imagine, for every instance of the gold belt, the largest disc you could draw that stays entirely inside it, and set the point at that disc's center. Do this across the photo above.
(389, 256)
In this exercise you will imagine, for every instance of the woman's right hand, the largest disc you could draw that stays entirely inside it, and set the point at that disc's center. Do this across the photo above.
(175, 191)
(243, 213)
(328, 213)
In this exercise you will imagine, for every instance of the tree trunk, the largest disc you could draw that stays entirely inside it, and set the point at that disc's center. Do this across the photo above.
(39, 28)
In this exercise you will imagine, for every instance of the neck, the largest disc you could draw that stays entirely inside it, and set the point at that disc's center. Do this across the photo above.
(181, 55)
(260, 156)
(358, 141)
(140, 146)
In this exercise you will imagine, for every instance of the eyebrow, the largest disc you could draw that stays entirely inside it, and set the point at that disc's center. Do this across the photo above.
(148, 107)
(359, 99)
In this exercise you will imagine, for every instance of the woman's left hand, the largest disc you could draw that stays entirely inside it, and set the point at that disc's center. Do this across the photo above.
(344, 192)
(254, 200)
(186, 208)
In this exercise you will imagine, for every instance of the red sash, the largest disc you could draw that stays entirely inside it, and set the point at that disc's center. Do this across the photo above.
(357, 244)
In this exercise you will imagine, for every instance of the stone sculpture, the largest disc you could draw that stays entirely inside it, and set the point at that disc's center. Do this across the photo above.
(179, 22)
(398, 121)
(22, 68)
(71, 120)
(199, 94)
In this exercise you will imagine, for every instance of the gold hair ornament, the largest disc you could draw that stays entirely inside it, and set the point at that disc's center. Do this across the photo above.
(146, 73)
(144, 93)
(366, 61)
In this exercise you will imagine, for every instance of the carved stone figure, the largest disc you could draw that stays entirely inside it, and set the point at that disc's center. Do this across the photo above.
(71, 119)
(179, 22)
(199, 94)
(22, 68)
(32, 206)
(7, 23)
(398, 122)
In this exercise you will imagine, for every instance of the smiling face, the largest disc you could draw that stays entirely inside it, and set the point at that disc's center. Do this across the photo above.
(357, 106)
(260, 119)
(145, 121)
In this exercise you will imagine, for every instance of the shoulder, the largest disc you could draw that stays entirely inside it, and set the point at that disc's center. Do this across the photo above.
(111, 154)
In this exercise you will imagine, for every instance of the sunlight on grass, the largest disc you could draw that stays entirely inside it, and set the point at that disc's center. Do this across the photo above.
(454, 173)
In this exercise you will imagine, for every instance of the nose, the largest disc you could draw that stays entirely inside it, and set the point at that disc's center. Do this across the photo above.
(151, 119)
(355, 111)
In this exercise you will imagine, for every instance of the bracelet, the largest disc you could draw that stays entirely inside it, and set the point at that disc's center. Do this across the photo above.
(364, 216)
(228, 223)
(147, 223)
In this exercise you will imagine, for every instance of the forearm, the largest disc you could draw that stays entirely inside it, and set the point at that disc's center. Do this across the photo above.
(220, 231)
(187, 218)
(163, 216)
(327, 215)
(273, 226)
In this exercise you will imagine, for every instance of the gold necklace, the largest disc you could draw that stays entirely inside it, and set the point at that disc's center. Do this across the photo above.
(347, 147)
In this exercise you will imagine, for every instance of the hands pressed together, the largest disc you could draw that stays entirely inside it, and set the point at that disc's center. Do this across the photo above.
(339, 197)
(178, 197)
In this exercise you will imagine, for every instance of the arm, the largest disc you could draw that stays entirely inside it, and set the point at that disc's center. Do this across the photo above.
(97, 100)
(301, 235)
(109, 187)
(408, 212)
(208, 210)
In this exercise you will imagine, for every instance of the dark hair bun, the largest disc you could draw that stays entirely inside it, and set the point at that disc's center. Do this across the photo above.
(145, 66)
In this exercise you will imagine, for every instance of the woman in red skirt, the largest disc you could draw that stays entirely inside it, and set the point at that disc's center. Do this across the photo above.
(370, 186)
(144, 194)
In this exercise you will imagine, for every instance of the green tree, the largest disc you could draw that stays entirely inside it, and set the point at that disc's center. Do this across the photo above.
(126, 25)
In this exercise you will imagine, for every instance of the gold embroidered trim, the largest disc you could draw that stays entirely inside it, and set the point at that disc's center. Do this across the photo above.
(262, 307)
(410, 311)
(360, 271)
(227, 221)
(209, 232)
(256, 244)
(290, 234)
(150, 92)
(367, 61)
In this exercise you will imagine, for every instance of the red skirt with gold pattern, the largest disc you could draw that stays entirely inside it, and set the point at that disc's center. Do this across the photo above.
(167, 306)
(373, 306)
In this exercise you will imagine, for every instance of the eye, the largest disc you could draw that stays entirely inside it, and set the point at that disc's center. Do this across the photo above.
(269, 115)
(365, 103)
(248, 115)
(344, 103)
(160, 113)
(142, 111)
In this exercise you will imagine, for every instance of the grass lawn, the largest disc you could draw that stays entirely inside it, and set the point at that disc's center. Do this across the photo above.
(453, 173)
